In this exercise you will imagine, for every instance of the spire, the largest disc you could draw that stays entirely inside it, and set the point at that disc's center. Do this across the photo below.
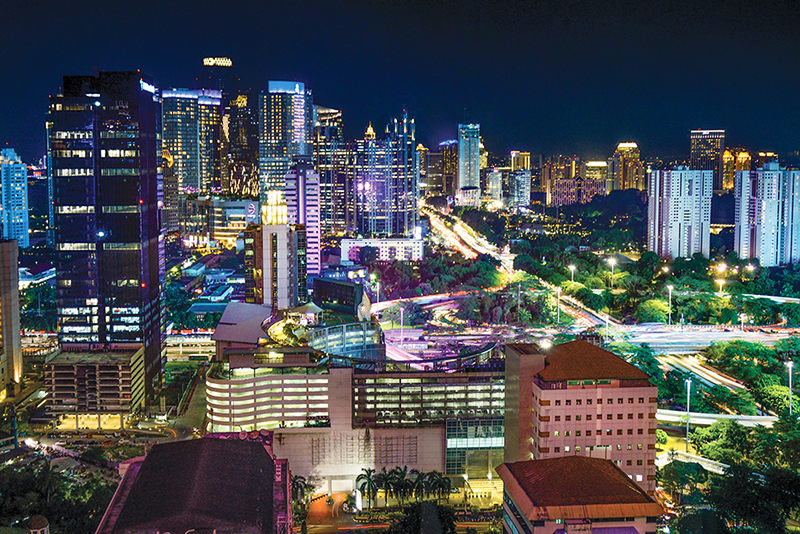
(370, 132)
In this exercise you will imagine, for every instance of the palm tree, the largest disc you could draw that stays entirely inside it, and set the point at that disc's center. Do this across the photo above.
(299, 486)
(383, 481)
(367, 484)
(419, 485)
(400, 482)
(47, 479)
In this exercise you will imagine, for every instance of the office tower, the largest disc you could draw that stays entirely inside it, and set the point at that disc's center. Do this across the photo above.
(240, 145)
(577, 399)
(449, 150)
(595, 179)
(435, 173)
(707, 148)
(423, 155)
(520, 160)
(679, 212)
(484, 154)
(303, 207)
(469, 155)
(520, 182)
(10, 342)
(170, 213)
(286, 114)
(762, 158)
(103, 159)
(334, 161)
(387, 181)
(275, 258)
(14, 195)
(217, 73)
(192, 121)
(494, 185)
(733, 160)
(625, 169)
(767, 217)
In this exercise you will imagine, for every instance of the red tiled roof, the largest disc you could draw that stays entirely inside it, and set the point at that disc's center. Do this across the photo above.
(573, 481)
(580, 360)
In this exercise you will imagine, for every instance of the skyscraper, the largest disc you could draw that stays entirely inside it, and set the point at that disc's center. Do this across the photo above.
(520, 160)
(14, 195)
(104, 158)
(192, 129)
(679, 212)
(767, 216)
(334, 160)
(449, 150)
(733, 159)
(303, 207)
(707, 149)
(239, 174)
(286, 113)
(10, 342)
(520, 182)
(625, 169)
(469, 156)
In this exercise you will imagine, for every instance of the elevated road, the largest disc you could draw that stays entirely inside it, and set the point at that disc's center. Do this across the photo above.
(707, 419)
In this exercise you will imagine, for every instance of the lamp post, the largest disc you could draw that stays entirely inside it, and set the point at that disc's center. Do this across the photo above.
(669, 289)
(572, 273)
(721, 283)
(558, 305)
(790, 365)
(742, 318)
(401, 325)
(612, 262)
(688, 400)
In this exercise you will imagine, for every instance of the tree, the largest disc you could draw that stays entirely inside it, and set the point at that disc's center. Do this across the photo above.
(367, 484)
(299, 488)
(652, 311)
(411, 520)
(661, 437)
(676, 476)
(367, 255)
(383, 482)
(400, 483)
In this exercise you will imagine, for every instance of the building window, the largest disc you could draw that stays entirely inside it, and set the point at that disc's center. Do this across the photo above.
(630, 400)
(619, 400)
(578, 402)
(567, 433)
(639, 447)
(630, 431)
(556, 433)
(566, 449)
(568, 402)
(577, 417)
(577, 433)
(609, 417)
(630, 447)
(638, 462)
(619, 447)
(641, 400)
(556, 449)
(589, 402)
(608, 431)
(589, 417)
(629, 462)
(558, 403)
(568, 418)
(619, 416)
(619, 431)
(578, 448)
(557, 418)
(640, 431)
(641, 416)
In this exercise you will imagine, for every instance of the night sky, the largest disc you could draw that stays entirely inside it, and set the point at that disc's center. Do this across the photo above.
(563, 76)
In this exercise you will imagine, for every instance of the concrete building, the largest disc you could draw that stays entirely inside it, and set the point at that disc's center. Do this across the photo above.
(335, 162)
(519, 161)
(10, 342)
(388, 249)
(767, 216)
(706, 154)
(679, 212)
(469, 156)
(212, 222)
(303, 207)
(520, 189)
(625, 169)
(574, 494)
(494, 185)
(576, 399)
(14, 220)
(734, 160)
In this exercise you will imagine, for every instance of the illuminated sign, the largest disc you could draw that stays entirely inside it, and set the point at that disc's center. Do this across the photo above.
(217, 62)
(147, 87)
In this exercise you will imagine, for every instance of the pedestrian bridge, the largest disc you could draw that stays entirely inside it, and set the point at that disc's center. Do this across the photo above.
(709, 465)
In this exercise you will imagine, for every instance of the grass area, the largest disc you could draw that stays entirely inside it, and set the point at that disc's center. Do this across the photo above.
(676, 439)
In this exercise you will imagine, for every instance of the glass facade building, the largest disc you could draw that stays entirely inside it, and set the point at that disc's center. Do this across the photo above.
(14, 195)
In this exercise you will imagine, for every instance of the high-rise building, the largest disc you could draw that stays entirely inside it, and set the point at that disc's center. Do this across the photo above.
(449, 150)
(520, 160)
(520, 182)
(679, 212)
(469, 156)
(14, 220)
(435, 174)
(334, 161)
(286, 113)
(577, 399)
(762, 158)
(239, 173)
(192, 121)
(707, 149)
(303, 207)
(625, 169)
(387, 181)
(170, 212)
(484, 154)
(767, 216)
(733, 160)
(10, 342)
(494, 185)
(423, 156)
(104, 160)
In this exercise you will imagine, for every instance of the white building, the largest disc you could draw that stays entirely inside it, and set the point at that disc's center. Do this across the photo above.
(469, 155)
(679, 212)
(303, 203)
(767, 215)
(14, 195)
(388, 249)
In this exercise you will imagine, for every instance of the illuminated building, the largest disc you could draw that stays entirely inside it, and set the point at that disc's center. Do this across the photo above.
(170, 213)
(389, 249)
(733, 160)
(625, 169)
(10, 342)
(449, 150)
(520, 182)
(520, 160)
(594, 181)
(387, 181)
(767, 216)
(435, 178)
(303, 205)
(577, 399)
(494, 185)
(484, 154)
(104, 161)
(240, 145)
(211, 222)
(679, 212)
(707, 148)
(191, 133)
(14, 194)
(334, 160)
(762, 158)
(423, 155)
(286, 114)
(469, 156)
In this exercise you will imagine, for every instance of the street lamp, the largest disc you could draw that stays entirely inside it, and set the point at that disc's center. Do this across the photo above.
(558, 305)
(670, 288)
(572, 273)
(688, 400)
(721, 283)
(612, 262)
(790, 365)
(743, 318)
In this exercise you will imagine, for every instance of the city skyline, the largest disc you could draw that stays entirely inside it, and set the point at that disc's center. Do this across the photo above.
(518, 69)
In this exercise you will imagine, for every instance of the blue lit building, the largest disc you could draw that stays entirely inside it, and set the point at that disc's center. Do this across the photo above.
(14, 192)
(469, 156)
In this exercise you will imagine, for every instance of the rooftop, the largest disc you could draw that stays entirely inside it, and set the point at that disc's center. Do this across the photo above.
(241, 322)
(87, 358)
(197, 484)
(593, 486)
(580, 360)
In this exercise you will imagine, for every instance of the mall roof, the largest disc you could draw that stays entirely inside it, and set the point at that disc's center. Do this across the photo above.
(575, 487)
(200, 484)
(241, 322)
(581, 360)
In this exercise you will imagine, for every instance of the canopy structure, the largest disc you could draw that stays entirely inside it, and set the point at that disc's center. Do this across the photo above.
(309, 308)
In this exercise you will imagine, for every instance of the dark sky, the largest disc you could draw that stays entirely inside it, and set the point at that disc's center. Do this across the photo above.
(562, 76)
